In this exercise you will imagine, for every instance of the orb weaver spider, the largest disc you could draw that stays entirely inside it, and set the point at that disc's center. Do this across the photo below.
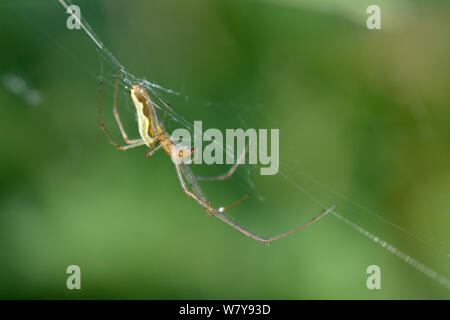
(154, 136)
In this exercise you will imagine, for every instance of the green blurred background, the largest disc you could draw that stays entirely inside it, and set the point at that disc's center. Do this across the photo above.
(365, 113)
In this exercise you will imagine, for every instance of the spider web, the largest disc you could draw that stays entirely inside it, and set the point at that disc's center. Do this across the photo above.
(323, 196)
(349, 211)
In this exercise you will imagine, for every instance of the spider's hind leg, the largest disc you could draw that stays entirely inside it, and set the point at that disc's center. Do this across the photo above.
(116, 114)
(131, 144)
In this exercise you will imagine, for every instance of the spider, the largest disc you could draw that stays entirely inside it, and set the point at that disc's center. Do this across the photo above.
(154, 136)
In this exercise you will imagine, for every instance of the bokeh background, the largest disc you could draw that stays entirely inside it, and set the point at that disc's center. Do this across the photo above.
(364, 113)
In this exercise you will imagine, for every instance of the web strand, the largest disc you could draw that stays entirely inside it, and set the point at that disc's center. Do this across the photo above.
(129, 78)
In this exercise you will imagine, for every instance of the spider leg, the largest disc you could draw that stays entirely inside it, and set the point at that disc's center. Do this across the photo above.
(203, 202)
(199, 196)
(230, 172)
(278, 236)
(116, 114)
(135, 143)
(151, 151)
(164, 119)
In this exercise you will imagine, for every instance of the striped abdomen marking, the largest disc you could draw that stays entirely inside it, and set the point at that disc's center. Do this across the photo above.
(148, 119)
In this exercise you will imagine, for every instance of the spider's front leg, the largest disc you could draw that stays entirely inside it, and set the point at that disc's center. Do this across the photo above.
(198, 195)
